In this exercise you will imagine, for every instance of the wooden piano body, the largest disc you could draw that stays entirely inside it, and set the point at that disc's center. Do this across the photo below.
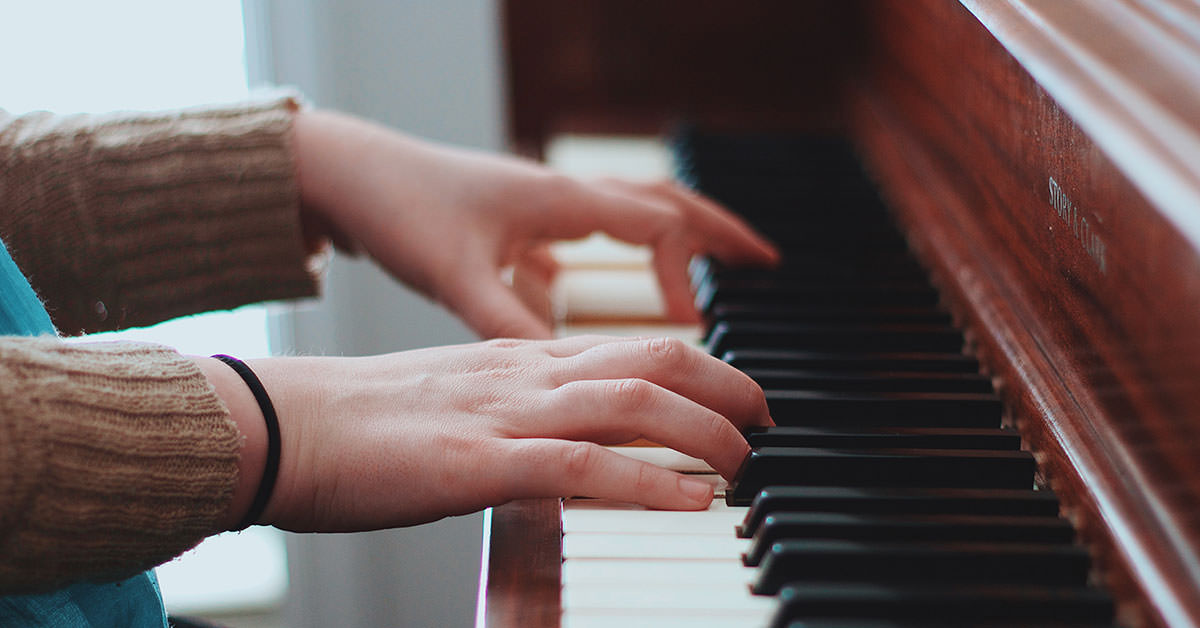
(1043, 158)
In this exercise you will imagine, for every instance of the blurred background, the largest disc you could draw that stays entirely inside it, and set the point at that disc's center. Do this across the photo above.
(431, 67)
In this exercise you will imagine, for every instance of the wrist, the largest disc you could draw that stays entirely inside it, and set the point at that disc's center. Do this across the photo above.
(248, 418)
(321, 148)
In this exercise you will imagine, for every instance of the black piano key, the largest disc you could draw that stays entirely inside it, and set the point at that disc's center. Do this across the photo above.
(806, 293)
(760, 284)
(791, 562)
(884, 437)
(898, 528)
(870, 381)
(788, 359)
(813, 315)
(947, 605)
(842, 260)
(849, 337)
(900, 268)
(938, 468)
(896, 409)
(896, 501)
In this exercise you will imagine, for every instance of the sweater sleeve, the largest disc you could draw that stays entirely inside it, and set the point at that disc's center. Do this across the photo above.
(129, 219)
(114, 457)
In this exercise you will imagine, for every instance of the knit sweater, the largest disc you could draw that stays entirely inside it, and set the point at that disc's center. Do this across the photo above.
(115, 457)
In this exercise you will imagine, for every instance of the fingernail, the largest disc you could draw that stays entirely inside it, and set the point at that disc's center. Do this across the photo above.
(695, 490)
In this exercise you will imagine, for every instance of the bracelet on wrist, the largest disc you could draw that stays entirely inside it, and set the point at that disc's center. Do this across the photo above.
(271, 468)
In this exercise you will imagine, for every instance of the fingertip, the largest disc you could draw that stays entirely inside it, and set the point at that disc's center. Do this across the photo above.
(771, 253)
(761, 251)
(494, 310)
(683, 312)
(698, 492)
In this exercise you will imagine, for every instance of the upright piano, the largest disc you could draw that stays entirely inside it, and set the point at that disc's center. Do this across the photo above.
(991, 208)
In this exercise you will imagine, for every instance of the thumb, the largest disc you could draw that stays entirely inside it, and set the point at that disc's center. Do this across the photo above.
(493, 310)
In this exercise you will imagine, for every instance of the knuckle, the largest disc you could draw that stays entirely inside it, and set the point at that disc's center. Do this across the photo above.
(558, 189)
(715, 427)
(504, 343)
(667, 353)
(568, 393)
(577, 460)
(645, 480)
(752, 397)
(631, 394)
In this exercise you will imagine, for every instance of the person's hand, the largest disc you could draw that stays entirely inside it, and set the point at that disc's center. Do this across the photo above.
(448, 221)
(412, 437)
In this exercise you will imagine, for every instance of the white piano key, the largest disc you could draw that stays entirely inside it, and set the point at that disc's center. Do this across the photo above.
(705, 599)
(666, 458)
(652, 546)
(600, 516)
(590, 571)
(588, 618)
(626, 565)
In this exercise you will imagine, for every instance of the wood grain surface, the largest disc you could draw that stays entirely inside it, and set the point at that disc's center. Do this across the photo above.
(1082, 292)
(1043, 157)
(524, 565)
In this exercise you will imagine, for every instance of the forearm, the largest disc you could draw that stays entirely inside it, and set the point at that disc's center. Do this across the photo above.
(129, 219)
(114, 457)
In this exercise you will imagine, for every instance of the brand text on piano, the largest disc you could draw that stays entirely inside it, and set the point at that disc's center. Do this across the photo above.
(1079, 225)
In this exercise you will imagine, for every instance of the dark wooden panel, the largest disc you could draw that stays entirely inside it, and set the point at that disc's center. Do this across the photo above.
(620, 66)
(1083, 294)
(524, 565)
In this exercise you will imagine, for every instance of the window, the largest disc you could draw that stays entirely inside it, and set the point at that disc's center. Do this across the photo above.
(83, 55)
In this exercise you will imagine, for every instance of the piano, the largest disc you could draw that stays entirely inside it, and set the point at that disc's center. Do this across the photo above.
(984, 351)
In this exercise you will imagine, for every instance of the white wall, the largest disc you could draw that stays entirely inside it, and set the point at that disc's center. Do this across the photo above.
(431, 67)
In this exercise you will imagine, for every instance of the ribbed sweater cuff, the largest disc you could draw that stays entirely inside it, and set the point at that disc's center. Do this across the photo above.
(114, 457)
(129, 219)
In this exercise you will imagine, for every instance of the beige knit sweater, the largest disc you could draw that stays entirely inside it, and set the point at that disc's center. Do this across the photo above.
(115, 457)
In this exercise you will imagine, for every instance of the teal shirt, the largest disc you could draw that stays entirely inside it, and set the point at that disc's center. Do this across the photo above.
(133, 603)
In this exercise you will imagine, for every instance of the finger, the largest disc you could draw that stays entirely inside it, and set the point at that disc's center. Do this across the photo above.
(722, 233)
(632, 219)
(574, 345)
(584, 208)
(671, 257)
(674, 365)
(493, 310)
(621, 410)
(540, 262)
(532, 286)
(556, 468)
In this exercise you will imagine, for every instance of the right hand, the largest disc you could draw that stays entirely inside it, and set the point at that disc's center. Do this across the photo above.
(449, 221)
(412, 437)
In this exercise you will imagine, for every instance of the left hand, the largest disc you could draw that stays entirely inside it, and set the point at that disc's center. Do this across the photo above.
(448, 221)
(415, 436)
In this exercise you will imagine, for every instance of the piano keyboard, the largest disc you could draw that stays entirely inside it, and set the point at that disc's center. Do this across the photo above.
(890, 494)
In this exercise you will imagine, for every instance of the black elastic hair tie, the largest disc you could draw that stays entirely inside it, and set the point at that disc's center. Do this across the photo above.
(271, 469)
